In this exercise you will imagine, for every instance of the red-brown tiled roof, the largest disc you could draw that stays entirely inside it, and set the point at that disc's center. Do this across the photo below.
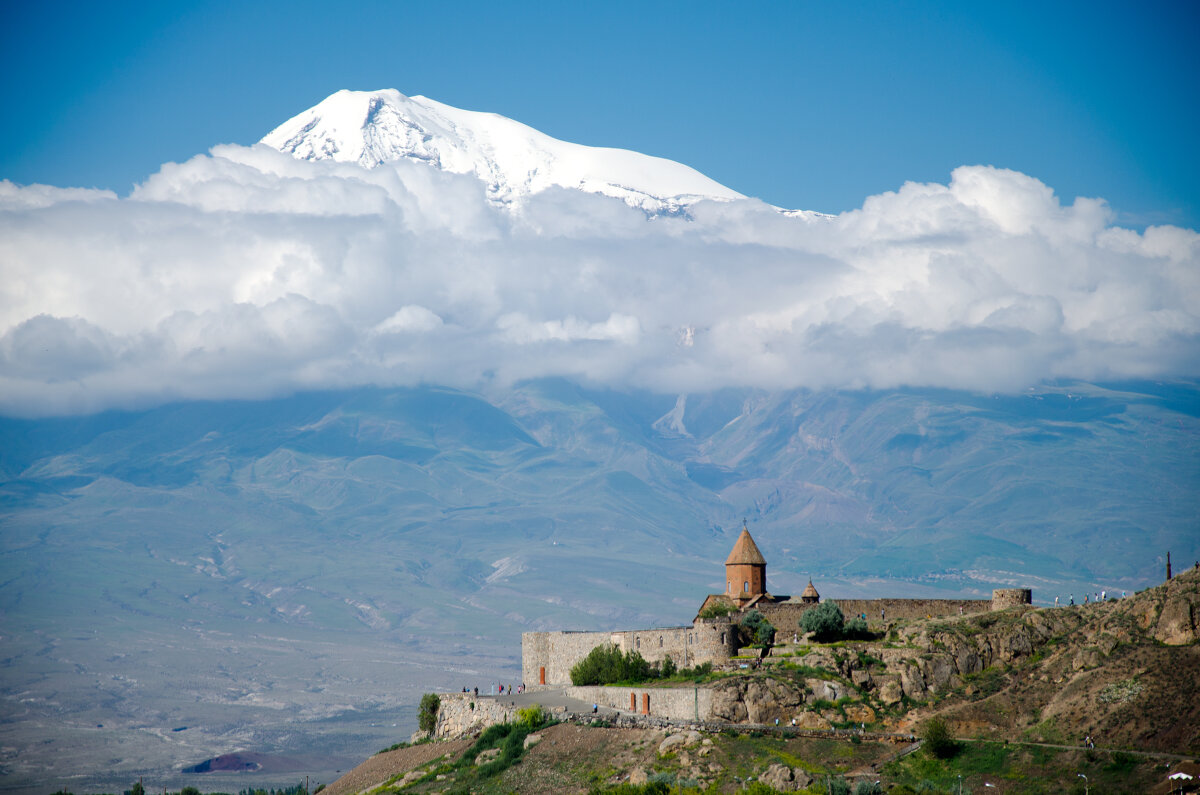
(745, 551)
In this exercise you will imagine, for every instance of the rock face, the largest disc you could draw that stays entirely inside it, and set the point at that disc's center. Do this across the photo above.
(1180, 616)
(756, 700)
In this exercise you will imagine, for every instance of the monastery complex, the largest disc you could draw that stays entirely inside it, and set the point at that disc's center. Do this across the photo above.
(547, 657)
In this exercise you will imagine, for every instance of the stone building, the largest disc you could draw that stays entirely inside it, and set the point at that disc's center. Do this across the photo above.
(712, 637)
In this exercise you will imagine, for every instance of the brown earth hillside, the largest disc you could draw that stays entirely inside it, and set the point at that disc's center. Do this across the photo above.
(1123, 672)
(1016, 682)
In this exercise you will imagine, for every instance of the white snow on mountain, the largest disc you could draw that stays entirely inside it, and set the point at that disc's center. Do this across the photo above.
(513, 160)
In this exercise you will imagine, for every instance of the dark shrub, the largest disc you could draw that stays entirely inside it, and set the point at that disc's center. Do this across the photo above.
(938, 740)
(825, 620)
(427, 712)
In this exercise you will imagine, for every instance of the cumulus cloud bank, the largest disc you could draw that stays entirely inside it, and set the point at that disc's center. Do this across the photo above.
(246, 273)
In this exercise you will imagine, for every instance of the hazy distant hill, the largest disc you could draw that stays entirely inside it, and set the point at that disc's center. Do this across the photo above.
(238, 564)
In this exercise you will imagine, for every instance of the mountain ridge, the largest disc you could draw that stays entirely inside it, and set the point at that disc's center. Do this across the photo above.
(512, 159)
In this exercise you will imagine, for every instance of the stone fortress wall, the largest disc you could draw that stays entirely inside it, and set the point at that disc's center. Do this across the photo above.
(785, 616)
(547, 657)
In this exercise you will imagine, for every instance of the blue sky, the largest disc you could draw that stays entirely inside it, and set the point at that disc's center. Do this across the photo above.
(806, 105)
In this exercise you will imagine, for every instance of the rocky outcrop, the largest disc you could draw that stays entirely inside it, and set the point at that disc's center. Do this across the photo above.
(1179, 617)
(758, 699)
(785, 779)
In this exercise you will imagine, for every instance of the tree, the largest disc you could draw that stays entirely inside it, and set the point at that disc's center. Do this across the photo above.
(138, 789)
(428, 711)
(606, 664)
(758, 628)
(825, 621)
(938, 740)
(856, 629)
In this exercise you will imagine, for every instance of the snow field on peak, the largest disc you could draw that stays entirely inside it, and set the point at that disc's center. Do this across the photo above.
(513, 160)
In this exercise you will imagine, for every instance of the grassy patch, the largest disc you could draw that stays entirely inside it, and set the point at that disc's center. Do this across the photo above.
(1026, 769)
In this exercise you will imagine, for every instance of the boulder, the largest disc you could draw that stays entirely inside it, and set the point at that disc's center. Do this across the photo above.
(861, 678)
(779, 777)
(890, 692)
(638, 776)
(680, 741)
(811, 720)
(860, 713)
(674, 742)
(1086, 658)
(823, 689)
(532, 740)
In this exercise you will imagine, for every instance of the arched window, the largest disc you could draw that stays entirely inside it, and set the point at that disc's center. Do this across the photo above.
(660, 641)
(637, 643)
(722, 638)
(746, 586)
(728, 587)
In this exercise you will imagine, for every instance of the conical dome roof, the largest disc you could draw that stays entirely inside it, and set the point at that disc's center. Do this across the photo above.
(810, 592)
(745, 551)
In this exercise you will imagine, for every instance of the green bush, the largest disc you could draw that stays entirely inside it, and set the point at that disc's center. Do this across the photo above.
(838, 786)
(825, 621)
(868, 788)
(606, 664)
(938, 740)
(427, 712)
(717, 609)
(856, 629)
(532, 716)
(757, 628)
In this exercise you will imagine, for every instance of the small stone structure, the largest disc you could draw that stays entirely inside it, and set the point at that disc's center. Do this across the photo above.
(547, 657)
(1004, 598)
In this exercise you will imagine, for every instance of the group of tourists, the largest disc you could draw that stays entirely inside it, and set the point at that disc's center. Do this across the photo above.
(500, 689)
(1097, 596)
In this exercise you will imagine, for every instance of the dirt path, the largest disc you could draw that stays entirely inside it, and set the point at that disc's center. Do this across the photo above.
(1147, 754)
(381, 767)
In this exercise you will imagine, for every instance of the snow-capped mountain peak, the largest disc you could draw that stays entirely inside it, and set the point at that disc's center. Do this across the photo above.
(512, 159)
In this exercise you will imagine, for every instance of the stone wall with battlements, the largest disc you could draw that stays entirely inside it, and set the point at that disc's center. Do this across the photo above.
(786, 616)
(547, 657)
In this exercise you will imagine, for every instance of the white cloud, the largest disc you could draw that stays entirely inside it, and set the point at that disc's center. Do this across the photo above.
(247, 273)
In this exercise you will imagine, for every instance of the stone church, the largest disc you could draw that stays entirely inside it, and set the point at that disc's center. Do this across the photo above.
(712, 637)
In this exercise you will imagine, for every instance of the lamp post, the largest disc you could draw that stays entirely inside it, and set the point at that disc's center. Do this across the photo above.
(960, 784)
(1085, 783)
